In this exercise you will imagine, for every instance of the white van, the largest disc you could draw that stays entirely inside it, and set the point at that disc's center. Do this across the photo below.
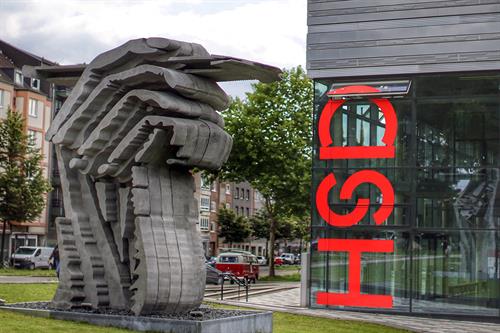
(32, 257)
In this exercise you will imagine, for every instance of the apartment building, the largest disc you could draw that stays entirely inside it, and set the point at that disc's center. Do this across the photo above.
(33, 98)
(240, 197)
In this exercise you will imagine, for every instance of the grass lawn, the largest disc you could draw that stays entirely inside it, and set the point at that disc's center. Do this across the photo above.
(27, 272)
(281, 278)
(290, 323)
(23, 292)
(11, 322)
(283, 322)
(288, 268)
(16, 323)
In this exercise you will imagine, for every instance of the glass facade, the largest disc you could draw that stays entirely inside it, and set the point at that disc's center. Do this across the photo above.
(446, 181)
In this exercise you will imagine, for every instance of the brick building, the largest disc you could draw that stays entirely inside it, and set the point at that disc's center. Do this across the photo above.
(33, 98)
(240, 197)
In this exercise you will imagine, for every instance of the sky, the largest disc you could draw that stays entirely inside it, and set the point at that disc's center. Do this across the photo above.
(71, 31)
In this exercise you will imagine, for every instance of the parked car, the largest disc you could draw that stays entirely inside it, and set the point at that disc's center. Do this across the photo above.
(32, 257)
(297, 259)
(211, 261)
(278, 261)
(262, 261)
(242, 265)
(213, 275)
(288, 258)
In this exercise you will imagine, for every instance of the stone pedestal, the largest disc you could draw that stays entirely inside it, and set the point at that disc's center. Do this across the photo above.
(250, 322)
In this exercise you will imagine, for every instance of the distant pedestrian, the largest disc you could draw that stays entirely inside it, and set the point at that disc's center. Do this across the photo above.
(55, 257)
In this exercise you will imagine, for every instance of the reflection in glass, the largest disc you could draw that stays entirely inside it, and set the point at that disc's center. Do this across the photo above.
(446, 178)
(456, 272)
(381, 273)
(458, 198)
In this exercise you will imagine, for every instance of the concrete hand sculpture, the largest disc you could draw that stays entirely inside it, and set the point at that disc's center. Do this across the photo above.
(137, 120)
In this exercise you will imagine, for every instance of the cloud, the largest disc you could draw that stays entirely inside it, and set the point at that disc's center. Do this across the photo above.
(268, 31)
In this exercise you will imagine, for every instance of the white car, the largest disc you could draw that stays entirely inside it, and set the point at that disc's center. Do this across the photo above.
(32, 257)
(288, 258)
(262, 260)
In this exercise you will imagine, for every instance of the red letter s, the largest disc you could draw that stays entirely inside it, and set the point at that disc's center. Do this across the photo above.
(364, 176)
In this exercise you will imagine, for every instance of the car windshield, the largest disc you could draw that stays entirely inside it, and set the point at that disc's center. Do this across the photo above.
(25, 250)
(228, 259)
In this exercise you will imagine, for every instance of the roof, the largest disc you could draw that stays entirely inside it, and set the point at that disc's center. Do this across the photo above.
(5, 78)
(20, 57)
(64, 75)
(236, 253)
(5, 62)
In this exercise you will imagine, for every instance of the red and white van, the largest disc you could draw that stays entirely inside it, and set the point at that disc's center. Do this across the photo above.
(242, 265)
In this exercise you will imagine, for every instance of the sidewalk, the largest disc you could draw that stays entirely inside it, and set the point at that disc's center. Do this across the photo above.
(288, 301)
(27, 279)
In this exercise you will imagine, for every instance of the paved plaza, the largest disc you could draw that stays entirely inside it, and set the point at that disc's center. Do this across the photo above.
(284, 297)
(287, 300)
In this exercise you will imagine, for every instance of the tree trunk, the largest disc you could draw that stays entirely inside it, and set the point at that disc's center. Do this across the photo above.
(272, 235)
(272, 240)
(267, 248)
(3, 243)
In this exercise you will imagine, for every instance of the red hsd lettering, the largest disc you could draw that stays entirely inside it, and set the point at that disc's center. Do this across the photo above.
(354, 247)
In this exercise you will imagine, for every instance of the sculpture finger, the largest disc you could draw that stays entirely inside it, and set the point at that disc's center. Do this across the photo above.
(129, 55)
(111, 90)
(184, 142)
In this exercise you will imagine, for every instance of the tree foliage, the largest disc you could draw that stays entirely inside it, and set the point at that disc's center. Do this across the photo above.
(22, 184)
(289, 227)
(233, 228)
(272, 132)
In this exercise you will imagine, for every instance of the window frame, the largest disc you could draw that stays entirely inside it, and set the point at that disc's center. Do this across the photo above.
(33, 107)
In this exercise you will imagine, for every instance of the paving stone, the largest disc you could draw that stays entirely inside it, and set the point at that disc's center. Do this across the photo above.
(288, 301)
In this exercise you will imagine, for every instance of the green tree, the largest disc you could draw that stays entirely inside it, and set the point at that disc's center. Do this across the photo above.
(289, 228)
(272, 133)
(22, 184)
(302, 230)
(260, 225)
(234, 229)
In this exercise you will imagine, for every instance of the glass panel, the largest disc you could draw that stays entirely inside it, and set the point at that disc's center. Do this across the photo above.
(446, 178)
(458, 198)
(360, 123)
(318, 266)
(458, 85)
(452, 134)
(400, 178)
(381, 273)
(456, 272)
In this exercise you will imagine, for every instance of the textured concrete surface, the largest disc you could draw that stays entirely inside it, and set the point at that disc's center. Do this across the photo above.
(138, 119)
(259, 322)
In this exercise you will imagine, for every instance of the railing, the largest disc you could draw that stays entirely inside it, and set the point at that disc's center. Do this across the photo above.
(241, 282)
